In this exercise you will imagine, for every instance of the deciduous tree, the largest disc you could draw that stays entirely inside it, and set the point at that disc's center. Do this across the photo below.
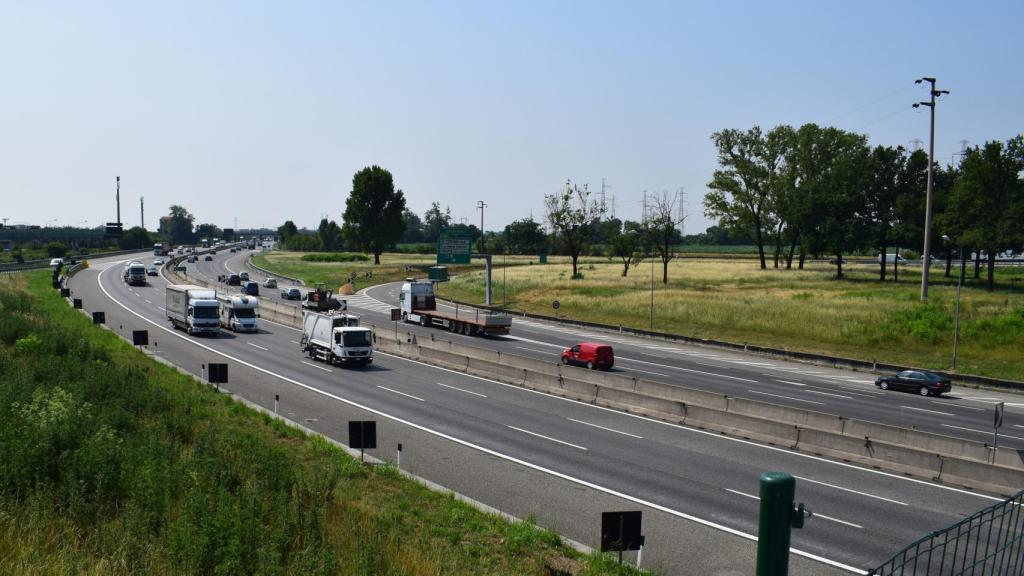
(571, 214)
(373, 211)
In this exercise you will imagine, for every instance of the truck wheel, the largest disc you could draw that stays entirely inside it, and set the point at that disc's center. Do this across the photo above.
(451, 326)
(405, 316)
(424, 321)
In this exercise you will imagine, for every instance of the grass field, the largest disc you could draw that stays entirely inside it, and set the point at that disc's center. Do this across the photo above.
(733, 300)
(115, 464)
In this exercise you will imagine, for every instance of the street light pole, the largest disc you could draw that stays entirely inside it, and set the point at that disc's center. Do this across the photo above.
(926, 258)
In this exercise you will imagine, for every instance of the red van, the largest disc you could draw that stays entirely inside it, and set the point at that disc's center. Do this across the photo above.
(590, 354)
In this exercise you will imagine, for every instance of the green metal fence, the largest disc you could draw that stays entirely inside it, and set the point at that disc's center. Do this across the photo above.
(987, 543)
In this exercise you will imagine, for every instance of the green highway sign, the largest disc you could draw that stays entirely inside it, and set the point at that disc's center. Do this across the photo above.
(454, 246)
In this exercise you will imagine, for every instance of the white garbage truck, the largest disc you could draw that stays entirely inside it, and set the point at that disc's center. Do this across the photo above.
(336, 338)
(238, 312)
(193, 309)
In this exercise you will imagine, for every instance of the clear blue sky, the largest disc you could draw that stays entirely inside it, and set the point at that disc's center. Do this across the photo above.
(264, 111)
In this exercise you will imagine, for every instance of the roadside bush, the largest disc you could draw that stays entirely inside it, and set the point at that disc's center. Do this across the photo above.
(55, 249)
(929, 323)
(335, 257)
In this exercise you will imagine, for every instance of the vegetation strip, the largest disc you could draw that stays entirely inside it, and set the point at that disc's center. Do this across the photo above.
(117, 464)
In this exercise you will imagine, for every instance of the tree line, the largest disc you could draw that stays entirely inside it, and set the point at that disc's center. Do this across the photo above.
(817, 190)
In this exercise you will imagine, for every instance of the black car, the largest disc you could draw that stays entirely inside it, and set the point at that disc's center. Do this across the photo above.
(924, 383)
(234, 280)
(291, 293)
(251, 288)
(208, 258)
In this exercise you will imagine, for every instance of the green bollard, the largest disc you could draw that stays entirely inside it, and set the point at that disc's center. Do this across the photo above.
(778, 515)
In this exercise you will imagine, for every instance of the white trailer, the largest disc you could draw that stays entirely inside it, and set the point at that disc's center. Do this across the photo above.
(193, 308)
(238, 312)
(335, 338)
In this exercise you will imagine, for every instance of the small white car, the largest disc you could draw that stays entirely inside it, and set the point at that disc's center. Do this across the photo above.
(270, 282)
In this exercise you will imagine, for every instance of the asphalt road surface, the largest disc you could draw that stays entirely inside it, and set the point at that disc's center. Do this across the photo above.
(563, 461)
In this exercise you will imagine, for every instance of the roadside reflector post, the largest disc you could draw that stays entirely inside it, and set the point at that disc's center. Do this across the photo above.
(779, 513)
(398, 456)
(277, 402)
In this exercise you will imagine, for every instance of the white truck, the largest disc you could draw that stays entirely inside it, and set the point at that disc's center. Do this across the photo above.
(238, 312)
(335, 338)
(419, 306)
(193, 308)
(135, 273)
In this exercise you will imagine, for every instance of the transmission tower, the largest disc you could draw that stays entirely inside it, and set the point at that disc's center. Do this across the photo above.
(604, 188)
(915, 144)
(681, 210)
(142, 212)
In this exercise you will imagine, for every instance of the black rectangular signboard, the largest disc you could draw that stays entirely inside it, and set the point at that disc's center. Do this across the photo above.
(362, 434)
(621, 531)
(99, 317)
(78, 303)
(218, 373)
(140, 337)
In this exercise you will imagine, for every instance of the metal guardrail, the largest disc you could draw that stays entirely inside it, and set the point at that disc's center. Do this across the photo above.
(249, 263)
(990, 542)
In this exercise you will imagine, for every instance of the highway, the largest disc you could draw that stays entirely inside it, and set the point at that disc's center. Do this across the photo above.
(564, 461)
(965, 413)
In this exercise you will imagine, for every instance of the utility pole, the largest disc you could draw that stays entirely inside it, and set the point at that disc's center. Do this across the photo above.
(681, 216)
(142, 212)
(604, 205)
(480, 205)
(643, 215)
(926, 258)
(118, 198)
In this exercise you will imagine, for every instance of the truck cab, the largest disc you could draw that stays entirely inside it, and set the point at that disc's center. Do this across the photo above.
(135, 273)
(336, 338)
(416, 296)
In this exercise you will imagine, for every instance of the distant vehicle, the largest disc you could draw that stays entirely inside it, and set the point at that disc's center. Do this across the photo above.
(161, 248)
(234, 280)
(191, 257)
(208, 258)
(232, 249)
(193, 308)
(322, 300)
(335, 338)
(158, 262)
(891, 258)
(270, 282)
(213, 252)
(57, 262)
(924, 383)
(419, 306)
(135, 273)
(590, 354)
(291, 294)
(238, 313)
(251, 288)
(244, 276)
(151, 271)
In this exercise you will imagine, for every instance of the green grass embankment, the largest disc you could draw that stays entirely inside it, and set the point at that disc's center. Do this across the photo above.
(115, 464)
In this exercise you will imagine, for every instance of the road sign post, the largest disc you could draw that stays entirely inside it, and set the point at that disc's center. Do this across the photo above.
(997, 422)
(622, 531)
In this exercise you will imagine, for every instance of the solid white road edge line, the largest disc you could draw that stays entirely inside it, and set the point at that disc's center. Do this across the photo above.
(604, 428)
(982, 431)
(555, 473)
(578, 447)
(462, 390)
